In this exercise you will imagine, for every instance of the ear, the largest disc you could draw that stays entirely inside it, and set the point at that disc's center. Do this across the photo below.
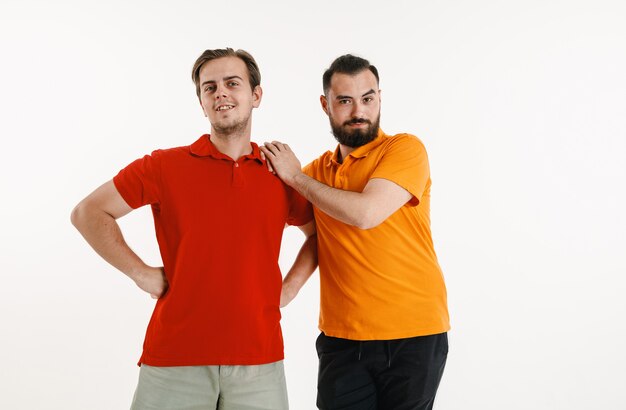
(324, 103)
(257, 94)
(379, 96)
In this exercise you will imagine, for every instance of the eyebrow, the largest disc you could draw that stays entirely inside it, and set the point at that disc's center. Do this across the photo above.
(341, 97)
(230, 77)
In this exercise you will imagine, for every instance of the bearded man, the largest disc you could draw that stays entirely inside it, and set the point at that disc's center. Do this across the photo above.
(383, 313)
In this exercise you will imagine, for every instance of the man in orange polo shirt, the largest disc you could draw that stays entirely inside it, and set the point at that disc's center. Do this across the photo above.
(383, 313)
(214, 339)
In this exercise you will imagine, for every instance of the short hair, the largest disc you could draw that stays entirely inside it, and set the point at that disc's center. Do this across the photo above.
(253, 69)
(347, 64)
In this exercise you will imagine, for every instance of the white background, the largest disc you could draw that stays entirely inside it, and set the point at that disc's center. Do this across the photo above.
(521, 105)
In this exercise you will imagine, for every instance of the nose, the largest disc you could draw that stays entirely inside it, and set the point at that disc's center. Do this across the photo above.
(220, 91)
(358, 110)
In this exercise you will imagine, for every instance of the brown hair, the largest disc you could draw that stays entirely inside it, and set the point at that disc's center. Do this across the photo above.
(253, 69)
(347, 64)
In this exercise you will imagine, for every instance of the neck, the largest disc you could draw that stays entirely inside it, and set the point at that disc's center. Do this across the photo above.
(235, 145)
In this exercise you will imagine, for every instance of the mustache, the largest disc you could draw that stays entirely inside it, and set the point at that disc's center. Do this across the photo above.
(357, 121)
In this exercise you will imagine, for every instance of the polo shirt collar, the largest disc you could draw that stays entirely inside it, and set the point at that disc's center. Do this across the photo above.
(203, 147)
(361, 151)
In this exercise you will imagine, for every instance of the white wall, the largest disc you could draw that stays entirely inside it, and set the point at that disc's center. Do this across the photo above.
(522, 108)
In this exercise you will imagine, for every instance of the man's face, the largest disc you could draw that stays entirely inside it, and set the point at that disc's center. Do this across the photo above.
(353, 107)
(225, 95)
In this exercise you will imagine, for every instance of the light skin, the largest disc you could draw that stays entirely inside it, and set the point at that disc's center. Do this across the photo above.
(94, 217)
(227, 99)
(303, 267)
(349, 97)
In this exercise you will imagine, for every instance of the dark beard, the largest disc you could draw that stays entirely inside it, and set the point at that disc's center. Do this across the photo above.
(358, 137)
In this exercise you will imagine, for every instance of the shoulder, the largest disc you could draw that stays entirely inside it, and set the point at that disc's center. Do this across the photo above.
(404, 139)
(171, 154)
(406, 143)
(317, 164)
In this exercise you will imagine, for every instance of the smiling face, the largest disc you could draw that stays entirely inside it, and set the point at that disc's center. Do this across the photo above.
(353, 107)
(226, 96)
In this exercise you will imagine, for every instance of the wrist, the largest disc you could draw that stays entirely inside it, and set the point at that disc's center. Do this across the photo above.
(138, 273)
(296, 179)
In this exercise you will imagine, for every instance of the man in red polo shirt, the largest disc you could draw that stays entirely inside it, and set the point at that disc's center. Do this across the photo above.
(214, 339)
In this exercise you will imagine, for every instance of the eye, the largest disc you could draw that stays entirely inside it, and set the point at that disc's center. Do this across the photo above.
(233, 83)
(344, 101)
(209, 88)
(368, 100)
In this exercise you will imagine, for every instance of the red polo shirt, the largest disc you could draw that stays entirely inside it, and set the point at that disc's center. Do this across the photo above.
(219, 225)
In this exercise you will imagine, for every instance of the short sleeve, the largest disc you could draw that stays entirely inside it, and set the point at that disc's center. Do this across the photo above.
(139, 182)
(300, 210)
(405, 162)
(308, 169)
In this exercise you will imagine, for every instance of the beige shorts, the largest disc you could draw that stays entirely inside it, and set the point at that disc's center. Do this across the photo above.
(259, 387)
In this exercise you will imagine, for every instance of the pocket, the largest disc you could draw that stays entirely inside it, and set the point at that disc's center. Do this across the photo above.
(443, 345)
(319, 342)
(328, 344)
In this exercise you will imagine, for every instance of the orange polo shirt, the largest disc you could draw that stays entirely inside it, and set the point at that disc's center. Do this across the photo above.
(219, 224)
(381, 283)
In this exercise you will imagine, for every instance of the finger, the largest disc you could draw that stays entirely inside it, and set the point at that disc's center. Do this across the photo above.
(266, 152)
(279, 145)
(264, 155)
(270, 149)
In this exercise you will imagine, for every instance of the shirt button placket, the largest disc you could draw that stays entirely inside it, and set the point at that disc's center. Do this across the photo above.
(340, 177)
(237, 177)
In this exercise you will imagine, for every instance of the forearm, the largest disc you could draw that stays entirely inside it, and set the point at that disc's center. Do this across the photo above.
(103, 234)
(348, 207)
(379, 199)
(301, 270)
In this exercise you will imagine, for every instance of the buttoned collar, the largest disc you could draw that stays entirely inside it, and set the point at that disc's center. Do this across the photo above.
(361, 151)
(203, 147)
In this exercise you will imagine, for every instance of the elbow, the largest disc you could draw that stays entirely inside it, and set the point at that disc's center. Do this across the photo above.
(79, 215)
(368, 219)
(76, 215)
(367, 224)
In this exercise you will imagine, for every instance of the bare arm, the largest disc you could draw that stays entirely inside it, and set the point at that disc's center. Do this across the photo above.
(303, 267)
(94, 217)
(380, 197)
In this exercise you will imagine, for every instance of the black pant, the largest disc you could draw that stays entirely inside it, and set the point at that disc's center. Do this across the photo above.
(380, 374)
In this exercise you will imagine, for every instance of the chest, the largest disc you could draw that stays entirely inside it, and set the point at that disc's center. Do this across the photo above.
(352, 175)
(209, 192)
